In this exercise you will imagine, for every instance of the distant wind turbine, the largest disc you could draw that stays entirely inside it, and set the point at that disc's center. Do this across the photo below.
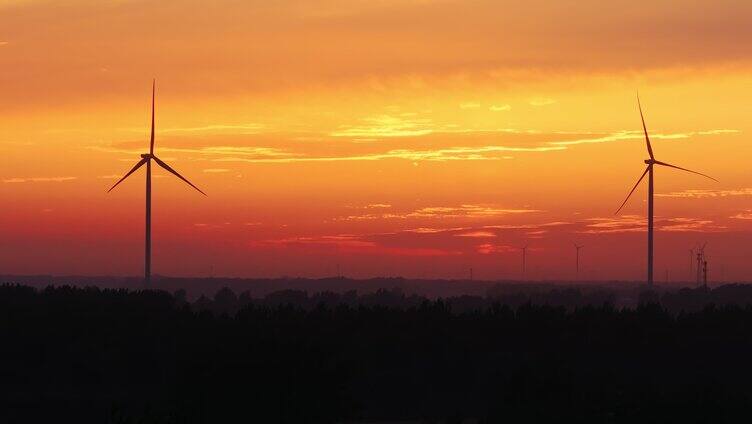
(146, 158)
(524, 259)
(577, 260)
(649, 170)
(700, 260)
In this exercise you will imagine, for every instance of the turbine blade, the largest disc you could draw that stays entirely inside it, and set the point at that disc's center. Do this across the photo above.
(138, 165)
(645, 128)
(153, 90)
(633, 189)
(684, 169)
(174, 172)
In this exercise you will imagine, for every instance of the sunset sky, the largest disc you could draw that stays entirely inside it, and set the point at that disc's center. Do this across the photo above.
(392, 137)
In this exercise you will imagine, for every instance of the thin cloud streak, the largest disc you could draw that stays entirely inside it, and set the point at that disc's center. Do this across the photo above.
(482, 153)
(489, 248)
(637, 135)
(444, 212)
(638, 224)
(39, 180)
(240, 129)
(542, 102)
(746, 215)
(703, 194)
(387, 126)
(500, 108)
(260, 154)
(349, 243)
(477, 234)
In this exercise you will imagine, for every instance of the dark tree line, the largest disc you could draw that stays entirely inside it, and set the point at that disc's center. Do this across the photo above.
(91, 355)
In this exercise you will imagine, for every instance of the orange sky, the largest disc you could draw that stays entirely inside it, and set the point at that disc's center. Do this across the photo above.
(411, 137)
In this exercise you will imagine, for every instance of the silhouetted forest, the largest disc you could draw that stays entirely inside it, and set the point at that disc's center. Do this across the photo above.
(113, 355)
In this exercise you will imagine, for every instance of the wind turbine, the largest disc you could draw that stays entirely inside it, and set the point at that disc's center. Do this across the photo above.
(146, 159)
(700, 260)
(577, 260)
(649, 170)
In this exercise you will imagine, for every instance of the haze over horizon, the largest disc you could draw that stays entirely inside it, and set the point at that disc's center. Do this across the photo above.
(406, 138)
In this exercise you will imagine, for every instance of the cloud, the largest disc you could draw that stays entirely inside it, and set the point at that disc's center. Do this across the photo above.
(500, 108)
(542, 101)
(252, 128)
(39, 179)
(387, 126)
(488, 248)
(244, 151)
(487, 152)
(3, 43)
(444, 212)
(539, 51)
(536, 233)
(638, 224)
(747, 214)
(349, 243)
(469, 105)
(638, 135)
(240, 129)
(477, 234)
(513, 227)
(702, 194)
(428, 230)
(691, 225)
(252, 154)
(621, 224)
(213, 226)
(472, 211)
(482, 153)
(528, 226)
(216, 170)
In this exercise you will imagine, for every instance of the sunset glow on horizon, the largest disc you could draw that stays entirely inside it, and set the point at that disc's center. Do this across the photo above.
(416, 138)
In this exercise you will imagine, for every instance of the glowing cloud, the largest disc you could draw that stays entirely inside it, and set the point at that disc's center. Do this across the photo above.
(387, 126)
(39, 179)
(701, 194)
(500, 108)
(488, 248)
(477, 234)
(542, 101)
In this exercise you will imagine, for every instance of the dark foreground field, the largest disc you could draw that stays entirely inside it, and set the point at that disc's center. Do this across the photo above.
(90, 355)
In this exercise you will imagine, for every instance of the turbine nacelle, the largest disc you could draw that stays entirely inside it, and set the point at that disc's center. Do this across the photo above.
(146, 156)
(649, 161)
